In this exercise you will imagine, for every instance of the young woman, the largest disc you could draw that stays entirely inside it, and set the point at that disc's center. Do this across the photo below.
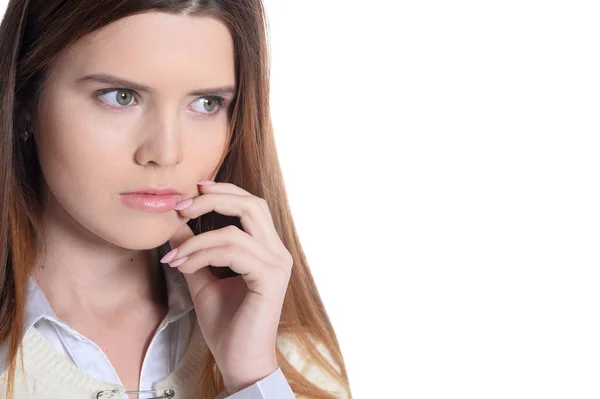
(147, 244)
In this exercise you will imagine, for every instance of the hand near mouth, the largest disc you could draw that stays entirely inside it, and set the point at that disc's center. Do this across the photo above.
(238, 316)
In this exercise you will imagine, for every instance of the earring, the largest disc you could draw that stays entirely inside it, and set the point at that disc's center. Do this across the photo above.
(26, 134)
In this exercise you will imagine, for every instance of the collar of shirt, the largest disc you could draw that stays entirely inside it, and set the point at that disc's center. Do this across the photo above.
(164, 352)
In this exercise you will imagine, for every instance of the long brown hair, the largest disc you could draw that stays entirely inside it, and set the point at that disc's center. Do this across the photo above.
(32, 35)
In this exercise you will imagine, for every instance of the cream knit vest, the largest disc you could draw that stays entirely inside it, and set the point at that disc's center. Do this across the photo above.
(49, 375)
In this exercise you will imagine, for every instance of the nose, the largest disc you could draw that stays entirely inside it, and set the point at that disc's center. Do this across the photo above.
(161, 143)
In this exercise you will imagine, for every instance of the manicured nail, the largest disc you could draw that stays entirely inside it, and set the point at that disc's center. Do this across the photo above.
(179, 262)
(184, 204)
(206, 182)
(169, 257)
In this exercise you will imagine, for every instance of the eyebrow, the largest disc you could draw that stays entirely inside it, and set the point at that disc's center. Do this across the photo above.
(123, 83)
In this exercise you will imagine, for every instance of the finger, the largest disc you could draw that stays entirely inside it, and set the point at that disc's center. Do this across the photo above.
(181, 235)
(229, 188)
(253, 270)
(222, 187)
(230, 236)
(252, 211)
(198, 280)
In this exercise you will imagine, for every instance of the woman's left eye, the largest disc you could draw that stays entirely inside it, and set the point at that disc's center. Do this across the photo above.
(207, 105)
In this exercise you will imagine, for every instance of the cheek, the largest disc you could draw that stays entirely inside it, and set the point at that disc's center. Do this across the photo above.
(83, 170)
(202, 157)
(73, 156)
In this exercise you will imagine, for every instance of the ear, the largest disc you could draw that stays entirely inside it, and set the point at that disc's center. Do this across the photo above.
(23, 118)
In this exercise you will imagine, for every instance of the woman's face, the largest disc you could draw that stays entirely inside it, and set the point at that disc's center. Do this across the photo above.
(98, 140)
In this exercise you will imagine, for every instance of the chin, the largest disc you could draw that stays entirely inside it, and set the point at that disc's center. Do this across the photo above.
(144, 234)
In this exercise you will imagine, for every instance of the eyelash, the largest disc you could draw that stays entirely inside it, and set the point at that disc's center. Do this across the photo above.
(220, 100)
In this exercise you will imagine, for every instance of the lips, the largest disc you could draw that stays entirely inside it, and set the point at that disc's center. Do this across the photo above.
(152, 200)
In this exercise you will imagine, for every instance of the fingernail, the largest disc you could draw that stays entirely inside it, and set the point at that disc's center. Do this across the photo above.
(179, 262)
(169, 257)
(206, 182)
(184, 204)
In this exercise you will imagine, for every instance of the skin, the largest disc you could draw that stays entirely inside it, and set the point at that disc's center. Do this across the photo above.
(100, 255)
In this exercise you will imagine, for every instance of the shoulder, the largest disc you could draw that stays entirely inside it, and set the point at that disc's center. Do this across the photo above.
(291, 349)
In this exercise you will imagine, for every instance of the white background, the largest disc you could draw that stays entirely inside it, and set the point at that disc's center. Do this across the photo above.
(442, 160)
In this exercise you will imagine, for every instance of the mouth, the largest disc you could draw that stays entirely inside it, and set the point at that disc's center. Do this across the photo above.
(152, 199)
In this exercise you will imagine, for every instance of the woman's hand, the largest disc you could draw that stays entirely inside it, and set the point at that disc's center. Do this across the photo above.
(238, 316)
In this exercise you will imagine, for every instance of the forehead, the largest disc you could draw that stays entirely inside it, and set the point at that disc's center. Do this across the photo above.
(152, 47)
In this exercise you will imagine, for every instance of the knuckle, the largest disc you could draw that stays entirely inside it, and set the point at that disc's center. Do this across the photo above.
(290, 260)
(232, 250)
(259, 204)
(232, 229)
(266, 207)
(188, 267)
(228, 255)
(287, 259)
(247, 209)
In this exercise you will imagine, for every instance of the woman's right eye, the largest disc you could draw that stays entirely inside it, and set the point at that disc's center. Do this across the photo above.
(117, 98)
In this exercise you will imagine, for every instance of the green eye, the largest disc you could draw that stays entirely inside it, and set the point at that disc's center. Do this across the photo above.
(117, 98)
(124, 97)
(207, 105)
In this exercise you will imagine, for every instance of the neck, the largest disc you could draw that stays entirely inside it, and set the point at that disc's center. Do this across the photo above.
(81, 274)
